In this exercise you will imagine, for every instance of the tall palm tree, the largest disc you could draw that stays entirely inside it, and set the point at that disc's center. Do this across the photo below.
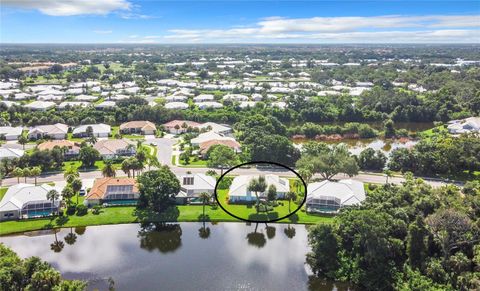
(126, 167)
(257, 186)
(53, 195)
(67, 194)
(205, 197)
(108, 170)
(388, 174)
(17, 172)
(291, 196)
(35, 172)
(71, 171)
(26, 173)
(77, 186)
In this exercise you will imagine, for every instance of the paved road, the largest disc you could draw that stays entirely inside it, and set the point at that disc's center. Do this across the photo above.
(164, 149)
(363, 177)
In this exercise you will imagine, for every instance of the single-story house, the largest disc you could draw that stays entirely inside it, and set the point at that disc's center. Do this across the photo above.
(73, 149)
(208, 136)
(54, 131)
(239, 192)
(10, 133)
(27, 201)
(9, 154)
(203, 98)
(112, 148)
(119, 191)
(105, 105)
(192, 185)
(99, 130)
(209, 104)
(40, 105)
(330, 196)
(142, 127)
(176, 105)
(217, 128)
(467, 125)
(180, 126)
(205, 146)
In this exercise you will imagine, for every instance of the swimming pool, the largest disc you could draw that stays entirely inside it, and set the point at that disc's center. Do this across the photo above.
(120, 202)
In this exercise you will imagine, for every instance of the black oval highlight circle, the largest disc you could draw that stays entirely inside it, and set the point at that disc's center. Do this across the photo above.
(256, 163)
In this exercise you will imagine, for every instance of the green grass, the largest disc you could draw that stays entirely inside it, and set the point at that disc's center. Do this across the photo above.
(3, 190)
(174, 162)
(78, 165)
(118, 215)
(194, 164)
(70, 137)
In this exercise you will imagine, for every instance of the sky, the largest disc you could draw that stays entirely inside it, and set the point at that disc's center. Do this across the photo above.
(245, 21)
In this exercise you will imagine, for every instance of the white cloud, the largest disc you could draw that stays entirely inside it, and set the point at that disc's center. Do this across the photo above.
(388, 28)
(102, 31)
(70, 7)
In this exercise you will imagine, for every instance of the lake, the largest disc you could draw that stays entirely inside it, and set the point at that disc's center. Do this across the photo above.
(183, 256)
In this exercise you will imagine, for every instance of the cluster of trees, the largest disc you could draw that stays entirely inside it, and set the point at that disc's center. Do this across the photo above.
(403, 237)
(319, 158)
(32, 274)
(439, 154)
(352, 129)
(264, 139)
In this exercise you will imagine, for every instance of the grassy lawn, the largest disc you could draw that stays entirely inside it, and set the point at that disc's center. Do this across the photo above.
(3, 190)
(198, 163)
(78, 165)
(70, 137)
(117, 215)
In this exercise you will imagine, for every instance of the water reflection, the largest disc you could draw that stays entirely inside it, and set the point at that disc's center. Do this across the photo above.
(204, 232)
(289, 231)
(58, 245)
(182, 256)
(160, 236)
(71, 237)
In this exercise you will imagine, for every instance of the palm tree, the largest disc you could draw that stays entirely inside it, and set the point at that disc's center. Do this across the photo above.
(17, 172)
(256, 186)
(23, 140)
(291, 196)
(26, 173)
(53, 195)
(67, 194)
(388, 174)
(126, 167)
(71, 171)
(205, 197)
(76, 186)
(35, 172)
(108, 170)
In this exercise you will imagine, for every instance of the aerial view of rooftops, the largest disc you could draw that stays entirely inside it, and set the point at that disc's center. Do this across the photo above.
(239, 145)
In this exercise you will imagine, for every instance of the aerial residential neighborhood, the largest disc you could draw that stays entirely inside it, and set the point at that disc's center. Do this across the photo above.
(239, 145)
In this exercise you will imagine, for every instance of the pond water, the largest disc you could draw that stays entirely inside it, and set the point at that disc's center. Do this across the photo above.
(184, 256)
(358, 145)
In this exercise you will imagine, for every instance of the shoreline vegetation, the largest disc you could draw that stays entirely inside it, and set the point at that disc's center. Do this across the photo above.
(126, 214)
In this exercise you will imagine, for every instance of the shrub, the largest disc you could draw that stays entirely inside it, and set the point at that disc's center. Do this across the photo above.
(96, 209)
(81, 210)
(71, 209)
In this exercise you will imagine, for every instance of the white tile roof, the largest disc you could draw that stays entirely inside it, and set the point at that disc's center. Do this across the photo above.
(350, 192)
(8, 153)
(239, 186)
(19, 194)
(97, 128)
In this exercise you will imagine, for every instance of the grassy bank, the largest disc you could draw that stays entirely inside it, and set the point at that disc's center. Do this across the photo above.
(118, 215)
